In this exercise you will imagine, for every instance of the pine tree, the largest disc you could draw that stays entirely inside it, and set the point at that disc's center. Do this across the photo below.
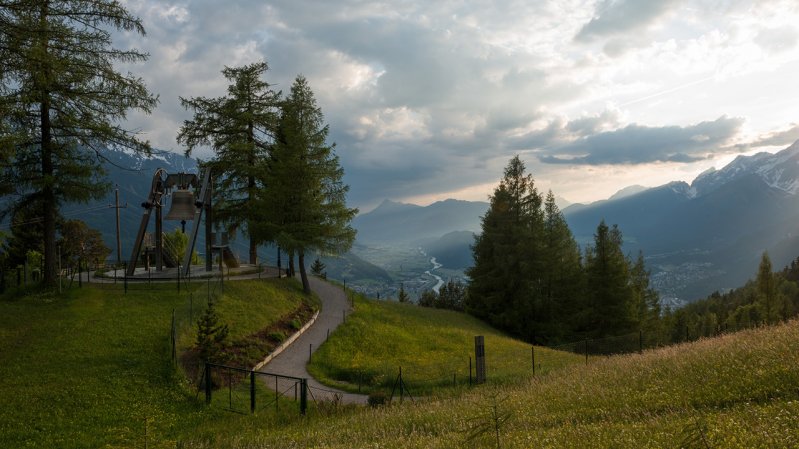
(306, 198)
(211, 335)
(561, 275)
(402, 296)
(767, 289)
(318, 267)
(505, 287)
(62, 101)
(647, 301)
(240, 128)
(611, 309)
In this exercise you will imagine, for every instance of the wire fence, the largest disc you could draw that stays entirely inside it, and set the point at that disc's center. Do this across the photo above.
(248, 391)
(504, 363)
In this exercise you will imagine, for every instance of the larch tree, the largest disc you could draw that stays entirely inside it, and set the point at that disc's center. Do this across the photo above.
(239, 127)
(306, 197)
(63, 102)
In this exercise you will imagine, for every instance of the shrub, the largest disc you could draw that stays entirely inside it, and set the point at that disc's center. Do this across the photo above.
(277, 336)
(377, 398)
(211, 335)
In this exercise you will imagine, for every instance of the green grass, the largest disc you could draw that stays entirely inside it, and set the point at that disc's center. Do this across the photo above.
(89, 367)
(432, 346)
(736, 391)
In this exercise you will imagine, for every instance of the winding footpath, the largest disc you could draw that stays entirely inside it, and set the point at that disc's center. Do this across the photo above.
(292, 361)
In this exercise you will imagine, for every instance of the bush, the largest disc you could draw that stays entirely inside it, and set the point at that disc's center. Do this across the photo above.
(277, 336)
(377, 398)
(295, 324)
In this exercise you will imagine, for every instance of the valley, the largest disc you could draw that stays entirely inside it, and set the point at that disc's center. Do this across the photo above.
(407, 265)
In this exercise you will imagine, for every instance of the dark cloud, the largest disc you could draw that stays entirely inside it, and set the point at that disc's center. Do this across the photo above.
(614, 17)
(635, 144)
(777, 138)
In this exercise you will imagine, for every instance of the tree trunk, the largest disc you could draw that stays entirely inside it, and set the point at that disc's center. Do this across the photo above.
(48, 194)
(306, 286)
(291, 265)
(253, 252)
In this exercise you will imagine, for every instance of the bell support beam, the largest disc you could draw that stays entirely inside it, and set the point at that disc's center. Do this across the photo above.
(205, 193)
(153, 199)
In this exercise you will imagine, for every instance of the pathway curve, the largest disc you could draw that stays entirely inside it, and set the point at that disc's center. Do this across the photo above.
(292, 361)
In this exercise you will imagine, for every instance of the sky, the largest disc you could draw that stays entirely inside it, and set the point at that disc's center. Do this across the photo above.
(429, 100)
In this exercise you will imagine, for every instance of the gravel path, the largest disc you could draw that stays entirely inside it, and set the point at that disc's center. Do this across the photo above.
(292, 361)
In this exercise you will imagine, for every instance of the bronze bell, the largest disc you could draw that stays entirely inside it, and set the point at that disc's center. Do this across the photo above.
(182, 207)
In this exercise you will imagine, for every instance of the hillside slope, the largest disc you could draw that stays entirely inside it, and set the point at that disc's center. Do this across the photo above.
(735, 391)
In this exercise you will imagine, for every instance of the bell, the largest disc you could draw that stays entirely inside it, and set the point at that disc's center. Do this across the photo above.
(182, 207)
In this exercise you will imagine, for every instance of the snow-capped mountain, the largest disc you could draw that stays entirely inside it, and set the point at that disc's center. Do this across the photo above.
(708, 235)
(780, 171)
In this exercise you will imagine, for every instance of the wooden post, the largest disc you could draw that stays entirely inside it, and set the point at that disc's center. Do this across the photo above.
(479, 355)
(252, 391)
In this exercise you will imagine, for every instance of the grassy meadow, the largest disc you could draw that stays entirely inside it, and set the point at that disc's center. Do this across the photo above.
(92, 367)
(432, 346)
(736, 391)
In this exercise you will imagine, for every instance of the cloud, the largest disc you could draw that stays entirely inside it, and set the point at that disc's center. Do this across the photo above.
(424, 97)
(636, 144)
(777, 138)
(779, 39)
(615, 17)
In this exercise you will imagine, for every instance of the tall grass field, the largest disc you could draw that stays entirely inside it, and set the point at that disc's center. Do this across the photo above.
(92, 368)
(736, 391)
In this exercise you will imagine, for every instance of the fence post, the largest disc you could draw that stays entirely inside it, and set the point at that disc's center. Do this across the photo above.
(640, 341)
(207, 383)
(173, 337)
(470, 371)
(310, 352)
(586, 351)
(401, 384)
(252, 391)
(303, 396)
(125, 277)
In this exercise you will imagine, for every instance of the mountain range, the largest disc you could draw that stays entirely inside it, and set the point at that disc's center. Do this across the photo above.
(696, 238)
(708, 235)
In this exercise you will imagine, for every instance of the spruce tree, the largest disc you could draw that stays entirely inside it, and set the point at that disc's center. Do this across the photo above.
(306, 197)
(402, 295)
(767, 289)
(646, 300)
(317, 268)
(611, 309)
(211, 334)
(63, 101)
(505, 287)
(561, 275)
(240, 128)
